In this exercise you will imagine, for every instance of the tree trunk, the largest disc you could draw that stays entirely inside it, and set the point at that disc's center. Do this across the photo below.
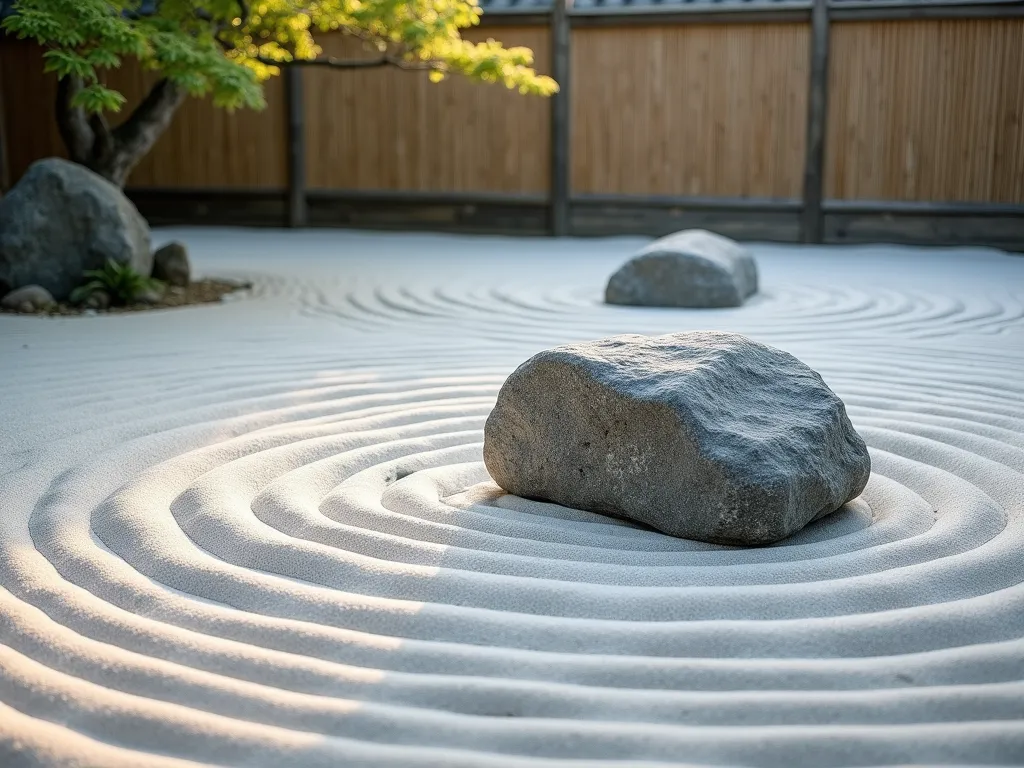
(113, 153)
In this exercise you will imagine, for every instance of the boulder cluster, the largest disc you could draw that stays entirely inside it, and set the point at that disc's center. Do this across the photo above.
(61, 221)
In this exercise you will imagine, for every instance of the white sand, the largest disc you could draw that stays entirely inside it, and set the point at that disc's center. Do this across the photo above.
(261, 534)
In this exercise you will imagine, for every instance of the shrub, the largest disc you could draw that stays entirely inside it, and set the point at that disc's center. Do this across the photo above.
(121, 281)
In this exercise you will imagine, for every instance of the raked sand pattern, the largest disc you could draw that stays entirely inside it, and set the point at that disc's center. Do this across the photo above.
(261, 534)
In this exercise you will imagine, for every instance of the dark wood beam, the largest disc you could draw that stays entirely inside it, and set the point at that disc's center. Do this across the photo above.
(561, 105)
(986, 229)
(846, 221)
(812, 223)
(684, 202)
(681, 10)
(881, 11)
(925, 208)
(700, 15)
(776, 12)
(5, 175)
(401, 196)
(533, 18)
(737, 204)
(298, 215)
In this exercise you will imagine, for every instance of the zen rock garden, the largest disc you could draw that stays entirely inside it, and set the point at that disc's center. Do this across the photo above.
(489, 498)
(705, 435)
(71, 242)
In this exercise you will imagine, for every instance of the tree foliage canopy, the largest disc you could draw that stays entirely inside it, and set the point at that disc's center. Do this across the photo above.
(227, 48)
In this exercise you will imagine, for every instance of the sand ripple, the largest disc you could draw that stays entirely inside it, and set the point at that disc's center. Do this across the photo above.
(263, 535)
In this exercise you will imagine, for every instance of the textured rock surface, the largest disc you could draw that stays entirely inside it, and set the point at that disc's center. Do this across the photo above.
(62, 219)
(170, 264)
(704, 435)
(28, 298)
(693, 268)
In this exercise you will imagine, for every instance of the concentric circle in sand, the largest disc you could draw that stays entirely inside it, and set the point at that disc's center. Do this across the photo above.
(262, 534)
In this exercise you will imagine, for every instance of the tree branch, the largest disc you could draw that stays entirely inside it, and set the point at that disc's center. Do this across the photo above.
(330, 61)
(103, 138)
(150, 118)
(136, 136)
(74, 127)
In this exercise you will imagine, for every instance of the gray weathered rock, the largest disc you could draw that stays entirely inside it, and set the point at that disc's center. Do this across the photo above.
(28, 298)
(62, 219)
(152, 295)
(704, 435)
(98, 299)
(170, 264)
(693, 268)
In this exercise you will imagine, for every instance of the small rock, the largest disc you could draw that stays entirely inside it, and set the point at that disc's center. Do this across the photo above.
(150, 296)
(28, 298)
(170, 264)
(89, 313)
(693, 268)
(704, 435)
(97, 300)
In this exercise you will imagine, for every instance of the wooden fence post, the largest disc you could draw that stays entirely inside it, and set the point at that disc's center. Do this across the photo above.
(560, 108)
(4, 172)
(297, 208)
(812, 222)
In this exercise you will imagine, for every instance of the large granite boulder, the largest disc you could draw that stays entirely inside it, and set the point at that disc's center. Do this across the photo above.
(693, 268)
(703, 435)
(62, 219)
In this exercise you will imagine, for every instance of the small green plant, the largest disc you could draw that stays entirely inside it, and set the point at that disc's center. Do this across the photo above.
(120, 281)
